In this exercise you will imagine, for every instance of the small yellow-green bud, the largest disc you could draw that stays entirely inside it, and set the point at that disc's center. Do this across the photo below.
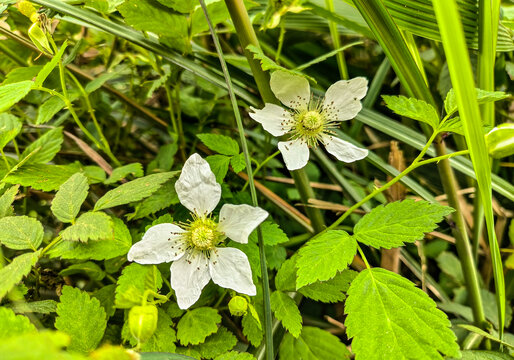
(238, 306)
(143, 322)
(500, 141)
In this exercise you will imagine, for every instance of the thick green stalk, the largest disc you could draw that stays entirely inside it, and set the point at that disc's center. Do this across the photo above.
(247, 36)
(461, 73)
(262, 254)
(334, 33)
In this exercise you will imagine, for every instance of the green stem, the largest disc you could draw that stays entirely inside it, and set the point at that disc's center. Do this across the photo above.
(52, 244)
(5, 160)
(259, 166)
(280, 41)
(262, 254)
(341, 62)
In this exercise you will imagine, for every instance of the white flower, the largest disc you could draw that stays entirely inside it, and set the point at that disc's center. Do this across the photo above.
(309, 121)
(193, 246)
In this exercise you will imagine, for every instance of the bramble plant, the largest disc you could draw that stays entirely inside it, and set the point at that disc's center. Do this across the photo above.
(137, 166)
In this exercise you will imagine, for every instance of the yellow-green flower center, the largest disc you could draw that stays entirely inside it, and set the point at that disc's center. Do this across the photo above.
(311, 121)
(202, 234)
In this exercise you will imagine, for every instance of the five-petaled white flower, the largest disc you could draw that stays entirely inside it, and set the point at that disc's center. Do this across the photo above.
(309, 121)
(193, 246)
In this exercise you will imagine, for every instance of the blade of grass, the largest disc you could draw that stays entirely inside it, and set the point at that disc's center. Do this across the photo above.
(461, 75)
(332, 26)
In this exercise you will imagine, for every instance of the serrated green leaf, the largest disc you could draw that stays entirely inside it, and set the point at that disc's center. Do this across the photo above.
(312, 344)
(164, 159)
(452, 125)
(135, 169)
(484, 355)
(36, 346)
(82, 318)
(49, 108)
(90, 226)
(332, 290)
(222, 144)
(399, 222)
(12, 324)
(413, 108)
(21, 232)
(219, 166)
(217, 344)
(194, 327)
(483, 96)
(96, 250)
(183, 6)
(143, 15)
(106, 297)
(47, 147)
(49, 66)
(68, 200)
(42, 177)
(285, 310)
(238, 163)
(10, 126)
(389, 318)
(234, 355)
(22, 73)
(252, 326)
(10, 94)
(161, 199)
(275, 256)
(485, 334)
(285, 280)
(133, 282)
(89, 268)
(272, 234)
(6, 201)
(322, 258)
(40, 307)
(134, 190)
(16, 270)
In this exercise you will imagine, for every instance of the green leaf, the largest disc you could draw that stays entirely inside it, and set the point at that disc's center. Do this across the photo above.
(219, 166)
(36, 346)
(452, 125)
(42, 177)
(272, 234)
(161, 199)
(194, 327)
(12, 324)
(217, 344)
(49, 145)
(483, 96)
(481, 332)
(6, 201)
(183, 6)
(389, 318)
(234, 355)
(164, 159)
(285, 280)
(90, 226)
(88, 268)
(82, 318)
(149, 15)
(68, 200)
(322, 258)
(413, 108)
(252, 327)
(106, 295)
(49, 108)
(21, 232)
(220, 143)
(96, 250)
(312, 344)
(134, 190)
(49, 66)
(269, 64)
(163, 356)
(399, 222)
(238, 162)
(217, 13)
(332, 290)
(133, 282)
(286, 310)
(40, 307)
(10, 94)
(16, 270)
(22, 73)
(484, 355)
(10, 126)
(135, 169)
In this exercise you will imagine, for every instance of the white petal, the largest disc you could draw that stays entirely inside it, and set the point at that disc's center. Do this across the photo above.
(229, 268)
(342, 99)
(189, 275)
(274, 119)
(161, 243)
(295, 153)
(343, 150)
(294, 91)
(196, 187)
(238, 221)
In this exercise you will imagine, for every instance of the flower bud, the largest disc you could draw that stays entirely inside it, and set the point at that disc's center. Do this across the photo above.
(500, 141)
(238, 306)
(39, 39)
(143, 322)
(27, 9)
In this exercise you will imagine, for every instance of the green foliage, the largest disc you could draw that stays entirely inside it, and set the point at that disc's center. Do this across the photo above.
(399, 222)
(12, 324)
(234, 355)
(220, 143)
(483, 97)
(47, 147)
(484, 355)
(82, 318)
(89, 268)
(161, 199)
(322, 258)
(313, 343)
(134, 190)
(285, 310)
(10, 94)
(49, 66)
(332, 290)
(68, 200)
(133, 282)
(43, 345)
(413, 108)
(194, 327)
(217, 344)
(10, 126)
(388, 317)
(272, 234)
(42, 177)
(21, 232)
(252, 326)
(41, 307)
(6, 201)
(238, 163)
(135, 169)
(90, 226)
(219, 166)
